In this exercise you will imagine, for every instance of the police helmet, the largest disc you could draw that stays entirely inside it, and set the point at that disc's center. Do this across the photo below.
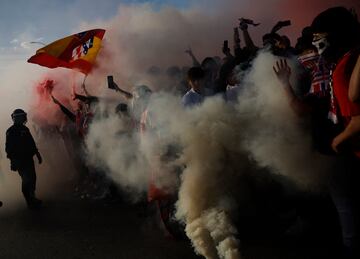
(19, 115)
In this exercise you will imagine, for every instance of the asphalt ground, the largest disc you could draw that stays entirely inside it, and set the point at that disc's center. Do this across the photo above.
(85, 229)
(77, 229)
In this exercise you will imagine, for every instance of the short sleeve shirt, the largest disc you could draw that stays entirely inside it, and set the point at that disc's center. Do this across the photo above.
(192, 98)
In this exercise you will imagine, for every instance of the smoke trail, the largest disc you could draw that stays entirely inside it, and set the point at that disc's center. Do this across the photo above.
(211, 153)
(215, 164)
(223, 233)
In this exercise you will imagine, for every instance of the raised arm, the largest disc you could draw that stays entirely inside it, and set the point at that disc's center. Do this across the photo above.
(124, 93)
(66, 111)
(226, 50)
(248, 41)
(237, 46)
(87, 98)
(279, 25)
(196, 63)
(283, 73)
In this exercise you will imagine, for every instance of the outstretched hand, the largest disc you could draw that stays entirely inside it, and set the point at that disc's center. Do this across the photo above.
(226, 50)
(279, 25)
(282, 71)
(189, 51)
(243, 24)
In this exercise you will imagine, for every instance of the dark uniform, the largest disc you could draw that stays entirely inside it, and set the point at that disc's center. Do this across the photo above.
(20, 149)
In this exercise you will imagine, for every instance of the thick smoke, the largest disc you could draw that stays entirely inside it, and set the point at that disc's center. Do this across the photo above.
(219, 145)
(20, 89)
(15, 92)
(275, 129)
(216, 141)
(114, 145)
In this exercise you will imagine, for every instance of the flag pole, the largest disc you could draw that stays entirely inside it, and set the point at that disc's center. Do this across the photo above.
(83, 85)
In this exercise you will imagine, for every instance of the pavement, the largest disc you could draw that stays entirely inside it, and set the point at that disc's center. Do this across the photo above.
(79, 229)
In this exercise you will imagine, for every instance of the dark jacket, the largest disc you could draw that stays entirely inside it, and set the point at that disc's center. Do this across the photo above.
(20, 144)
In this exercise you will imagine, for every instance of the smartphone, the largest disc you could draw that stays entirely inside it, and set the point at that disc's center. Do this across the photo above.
(286, 23)
(236, 35)
(110, 81)
(226, 44)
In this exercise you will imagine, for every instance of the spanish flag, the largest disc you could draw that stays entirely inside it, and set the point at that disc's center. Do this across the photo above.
(76, 52)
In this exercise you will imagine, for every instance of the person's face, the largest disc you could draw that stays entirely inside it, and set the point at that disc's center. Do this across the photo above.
(282, 45)
(197, 84)
(320, 41)
(231, 79)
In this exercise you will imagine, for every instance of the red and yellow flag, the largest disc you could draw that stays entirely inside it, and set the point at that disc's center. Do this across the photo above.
(76, 52)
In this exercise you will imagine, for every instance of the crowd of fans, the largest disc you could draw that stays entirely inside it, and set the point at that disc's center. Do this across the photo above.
(327, 53)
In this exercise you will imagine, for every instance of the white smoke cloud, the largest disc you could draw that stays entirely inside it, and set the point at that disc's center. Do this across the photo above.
(276, 130)
(19, 82)
(113, 144)
(216, 139)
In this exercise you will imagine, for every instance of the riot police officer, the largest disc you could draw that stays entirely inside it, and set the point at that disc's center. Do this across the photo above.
(20, 148)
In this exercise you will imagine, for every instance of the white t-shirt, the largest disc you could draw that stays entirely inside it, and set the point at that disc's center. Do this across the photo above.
(192, 98)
